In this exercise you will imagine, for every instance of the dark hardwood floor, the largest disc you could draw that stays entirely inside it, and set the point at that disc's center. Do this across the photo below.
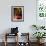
(13, 44)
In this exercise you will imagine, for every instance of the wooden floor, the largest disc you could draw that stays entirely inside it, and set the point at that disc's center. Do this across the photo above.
(13, 44)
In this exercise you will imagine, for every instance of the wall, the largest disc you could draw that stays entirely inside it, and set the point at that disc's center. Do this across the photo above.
(29, 15)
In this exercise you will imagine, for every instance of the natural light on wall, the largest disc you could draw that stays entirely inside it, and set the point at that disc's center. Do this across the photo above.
(41, 9)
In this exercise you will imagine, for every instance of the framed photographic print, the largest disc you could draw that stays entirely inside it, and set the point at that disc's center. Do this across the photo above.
(17, 13)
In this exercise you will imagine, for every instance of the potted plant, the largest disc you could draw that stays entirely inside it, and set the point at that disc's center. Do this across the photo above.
(39, 35)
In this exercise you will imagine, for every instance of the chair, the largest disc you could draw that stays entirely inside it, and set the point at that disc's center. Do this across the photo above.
(14, 32)
(25, 37)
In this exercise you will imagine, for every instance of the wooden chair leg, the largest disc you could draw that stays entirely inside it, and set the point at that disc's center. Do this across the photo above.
(17, 39)
(5, 42)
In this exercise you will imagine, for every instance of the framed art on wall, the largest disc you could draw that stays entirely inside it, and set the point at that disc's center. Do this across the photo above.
(17, 13)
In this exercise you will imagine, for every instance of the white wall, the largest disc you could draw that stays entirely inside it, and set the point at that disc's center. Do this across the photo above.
(29, 15)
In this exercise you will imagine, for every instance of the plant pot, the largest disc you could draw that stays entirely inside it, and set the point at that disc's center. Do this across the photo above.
(38, 40)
